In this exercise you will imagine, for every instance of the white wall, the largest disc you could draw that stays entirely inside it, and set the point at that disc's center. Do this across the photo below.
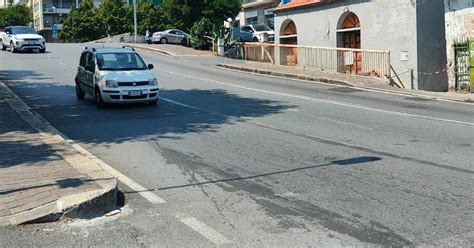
(385, 25)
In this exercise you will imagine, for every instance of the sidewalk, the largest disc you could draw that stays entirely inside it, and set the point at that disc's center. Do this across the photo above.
(172, 50)
(41, 175)
(368, 83)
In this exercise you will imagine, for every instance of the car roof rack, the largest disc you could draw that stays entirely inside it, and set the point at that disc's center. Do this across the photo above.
(133, 49)
(90, 48)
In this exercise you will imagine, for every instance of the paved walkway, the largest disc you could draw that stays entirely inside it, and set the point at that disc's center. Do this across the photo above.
(173, 50)
(370, 83)
(35, 178)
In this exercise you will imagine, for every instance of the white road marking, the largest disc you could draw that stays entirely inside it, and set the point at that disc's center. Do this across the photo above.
(350, 105)
(203, 229)
(150, 196)
(145, 193)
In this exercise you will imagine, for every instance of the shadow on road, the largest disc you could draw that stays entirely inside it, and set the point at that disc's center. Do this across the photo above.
(85, 123)
(351, 161)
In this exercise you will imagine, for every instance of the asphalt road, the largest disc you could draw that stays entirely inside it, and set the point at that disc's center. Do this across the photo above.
(248, 160)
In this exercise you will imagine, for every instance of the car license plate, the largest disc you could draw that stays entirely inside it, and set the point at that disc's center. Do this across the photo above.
(135, 93)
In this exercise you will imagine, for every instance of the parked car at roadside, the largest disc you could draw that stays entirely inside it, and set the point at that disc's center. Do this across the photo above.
(261, 32)
(21, 38)
(174, 36)
(246, 36)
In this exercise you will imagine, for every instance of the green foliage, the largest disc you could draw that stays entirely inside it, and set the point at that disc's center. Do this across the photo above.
(183, 14)
(16, 15)
(89, 23)
(148, 17)
(202, 28)
(115, 16)
(82, 24)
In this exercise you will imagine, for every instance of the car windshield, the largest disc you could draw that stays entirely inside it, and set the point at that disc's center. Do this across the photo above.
(23, 30)
(261, 27)
(120, 62)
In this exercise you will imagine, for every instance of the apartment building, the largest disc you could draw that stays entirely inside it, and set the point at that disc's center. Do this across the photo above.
(412, 30)
(258, 12)
(47, 15)
(8, 3)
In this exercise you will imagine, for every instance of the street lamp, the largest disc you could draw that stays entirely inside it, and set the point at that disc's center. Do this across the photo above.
(135, 18)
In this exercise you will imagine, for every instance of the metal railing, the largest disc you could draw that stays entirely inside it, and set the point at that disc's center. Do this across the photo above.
(343, 60)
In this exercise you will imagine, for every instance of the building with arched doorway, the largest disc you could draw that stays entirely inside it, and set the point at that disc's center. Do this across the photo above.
(412, 31)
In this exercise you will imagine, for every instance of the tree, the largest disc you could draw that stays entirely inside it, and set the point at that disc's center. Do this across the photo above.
(220, 10)
(82, 24)
(114, 14)
(148, 17)
(15, 15)
(199, 31)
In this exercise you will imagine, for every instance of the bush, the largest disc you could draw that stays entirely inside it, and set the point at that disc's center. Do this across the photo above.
(199, 30)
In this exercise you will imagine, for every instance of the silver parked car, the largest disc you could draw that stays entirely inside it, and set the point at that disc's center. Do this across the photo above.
(174, 36)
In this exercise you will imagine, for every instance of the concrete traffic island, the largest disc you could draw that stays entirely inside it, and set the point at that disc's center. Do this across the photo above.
(44, 177)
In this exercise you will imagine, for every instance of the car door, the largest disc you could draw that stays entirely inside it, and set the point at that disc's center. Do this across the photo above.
(81, 71)
(6, 37)
(172, 37)
(181, 37)
(89, 73)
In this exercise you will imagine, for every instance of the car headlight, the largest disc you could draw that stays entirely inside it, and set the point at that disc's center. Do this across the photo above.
(153, 82)
(111, 84)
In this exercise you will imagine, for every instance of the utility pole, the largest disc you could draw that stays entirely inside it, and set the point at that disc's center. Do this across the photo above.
(135, 18)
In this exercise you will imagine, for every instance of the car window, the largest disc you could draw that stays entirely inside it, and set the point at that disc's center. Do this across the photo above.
(172, 32)
(247, 29)
(90, 60)
(261, 27)
(120, 61)
(23, 30)
(82, 61)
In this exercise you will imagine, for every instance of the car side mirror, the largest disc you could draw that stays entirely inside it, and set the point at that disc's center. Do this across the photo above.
(150, 66)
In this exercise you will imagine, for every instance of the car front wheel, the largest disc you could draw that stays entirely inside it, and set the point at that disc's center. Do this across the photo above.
(3, 47)
(43, 50)
(79, 92)
(163, 40)
(12, 48)
(98, 99)
(153, 103)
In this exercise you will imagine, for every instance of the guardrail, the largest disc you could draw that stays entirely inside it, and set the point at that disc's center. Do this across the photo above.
(343, 60)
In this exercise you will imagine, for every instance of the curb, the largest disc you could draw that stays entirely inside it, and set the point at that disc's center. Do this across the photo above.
(73, 205)
(287, 75)
(152, 49)
(342, 83)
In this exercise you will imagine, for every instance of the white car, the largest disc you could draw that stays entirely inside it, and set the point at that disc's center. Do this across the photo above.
(170, 36)
(115, 75)
(261, 32)
(22, 38)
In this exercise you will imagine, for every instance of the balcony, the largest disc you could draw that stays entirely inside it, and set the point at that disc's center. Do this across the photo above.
(52, 10)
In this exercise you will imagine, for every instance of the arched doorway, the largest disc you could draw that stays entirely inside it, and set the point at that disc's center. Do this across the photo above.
(288, 36)
(349, 36)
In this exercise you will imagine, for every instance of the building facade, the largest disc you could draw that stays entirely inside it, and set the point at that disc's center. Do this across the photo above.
(412, 30)
(47, 15)
(8, 3)
(258, 12)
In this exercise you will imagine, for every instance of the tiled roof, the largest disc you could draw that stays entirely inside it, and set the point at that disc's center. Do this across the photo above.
(301, 3)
